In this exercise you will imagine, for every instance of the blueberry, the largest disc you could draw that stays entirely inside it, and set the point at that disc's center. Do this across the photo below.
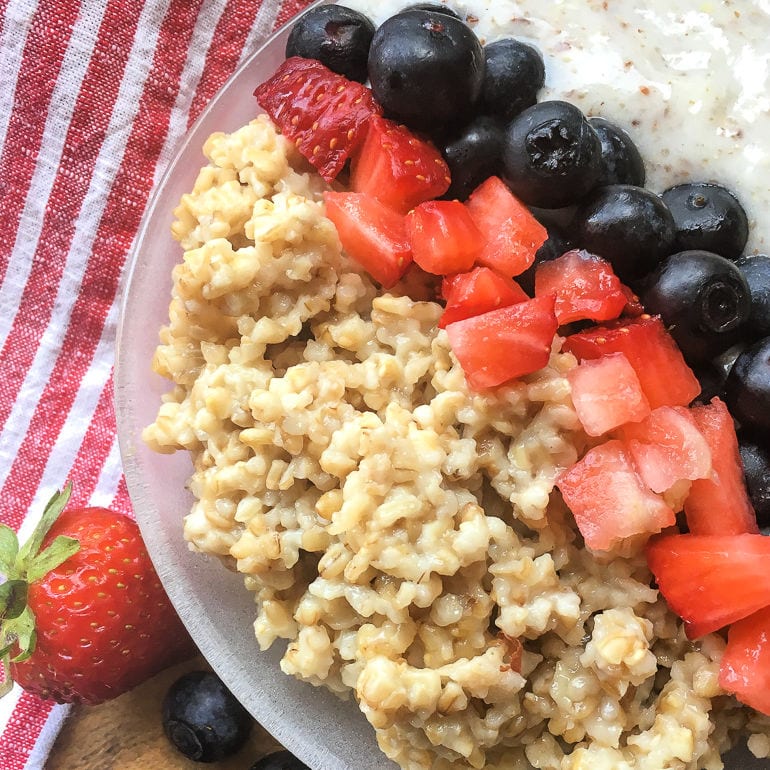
(712, 381)
(747, 391)
(702, 298)
(435, 7)
(279, 760)
(426, 69)
(337, 36)
(756, 466)
(707, 216)
(627, 225)
(514, 72)
(756, 271)
(473, 155)
(551, 155)
(203, 719)
(621, 160)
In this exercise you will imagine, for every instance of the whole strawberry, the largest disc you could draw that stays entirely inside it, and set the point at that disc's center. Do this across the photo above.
(84, 616)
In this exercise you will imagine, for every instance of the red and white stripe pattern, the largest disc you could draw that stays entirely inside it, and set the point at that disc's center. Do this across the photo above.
(94, 98)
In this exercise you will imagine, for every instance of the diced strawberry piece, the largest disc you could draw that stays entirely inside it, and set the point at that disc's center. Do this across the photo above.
(476, 292)
(711, 581)
(323, 113)
(398, 168)
(443, 236)
(667, 447)
(513, 235)
(506, 343)
(606, 393)
(745, 666)
(665, 377)
(371, 233)
(609, 500)
(585, 286)
(719, 504)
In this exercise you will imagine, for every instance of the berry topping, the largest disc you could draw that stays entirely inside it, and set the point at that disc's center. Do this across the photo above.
(702, 298)
(551, 155)
(202, 718)
(324, 113)
(756, 465)
(747, 390)
(709, 217)
(627, 225)
(279, 760)
(756, 271)
(84, 615)
(514, 72)
(337, 36)
(436, 7)
(621, 160)
(473, 155)
(426, 69)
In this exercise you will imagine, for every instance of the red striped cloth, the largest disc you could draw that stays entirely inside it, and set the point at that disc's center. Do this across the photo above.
(94, 98)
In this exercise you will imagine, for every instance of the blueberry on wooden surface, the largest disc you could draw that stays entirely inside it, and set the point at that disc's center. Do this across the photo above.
(702, 298)
(514, 73)
(203, 719)
(621, 161)
(629, 226)
(707, 216)
(337, 36)
(426, 69)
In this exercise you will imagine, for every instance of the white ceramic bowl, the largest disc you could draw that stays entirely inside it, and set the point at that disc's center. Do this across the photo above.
(324, 732)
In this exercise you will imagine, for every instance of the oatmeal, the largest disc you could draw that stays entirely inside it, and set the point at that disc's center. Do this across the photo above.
(400, 531)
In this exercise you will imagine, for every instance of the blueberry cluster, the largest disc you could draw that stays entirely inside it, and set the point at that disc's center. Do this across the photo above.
(583, 177)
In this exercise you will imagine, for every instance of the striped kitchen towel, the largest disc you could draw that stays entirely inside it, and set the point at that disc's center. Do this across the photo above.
(94, 98)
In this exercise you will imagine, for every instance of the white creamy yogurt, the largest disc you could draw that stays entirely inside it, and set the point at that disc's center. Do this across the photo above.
(688, 80)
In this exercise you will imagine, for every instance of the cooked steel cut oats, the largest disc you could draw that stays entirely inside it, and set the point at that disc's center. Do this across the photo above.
(399, 530)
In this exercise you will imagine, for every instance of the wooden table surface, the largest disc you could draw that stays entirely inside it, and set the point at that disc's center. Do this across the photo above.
(127, 734)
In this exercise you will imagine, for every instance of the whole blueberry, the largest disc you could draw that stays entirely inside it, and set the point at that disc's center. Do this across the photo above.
(473, 155)
(551, 155)
(426, 69)
(514, 73)
(437, 7)
(707, 216)
(621, 160)
(202, 718)
(337, 36)
(756, 271)
(629, 226)
(702, 298)
(747, 391)
(279, 760)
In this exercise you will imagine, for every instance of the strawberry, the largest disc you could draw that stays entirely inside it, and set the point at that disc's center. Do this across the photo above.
(83, 613)
(443, 236)
(476, 292)
(585, 286)
(711, 581)
(398, 168)
(323, 113)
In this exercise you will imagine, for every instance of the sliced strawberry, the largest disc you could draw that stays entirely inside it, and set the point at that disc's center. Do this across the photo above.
(665, 377)
(606, 393)
(585, 286)
(609, 500)
(476, 292)
(443, 236)
(719, 504)
(513, 234)
(502, 344)
(745, 666)
(398, 168)
(323, 113)
(711, 581)
(371, 233)
(667, 447)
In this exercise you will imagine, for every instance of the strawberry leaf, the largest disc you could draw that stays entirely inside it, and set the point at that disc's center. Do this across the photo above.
(20, 632)
(57, 552)
(55, 506)
(13, 599)
(9, 550)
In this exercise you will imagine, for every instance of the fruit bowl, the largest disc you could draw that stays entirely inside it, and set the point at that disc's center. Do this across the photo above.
(314, 724)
